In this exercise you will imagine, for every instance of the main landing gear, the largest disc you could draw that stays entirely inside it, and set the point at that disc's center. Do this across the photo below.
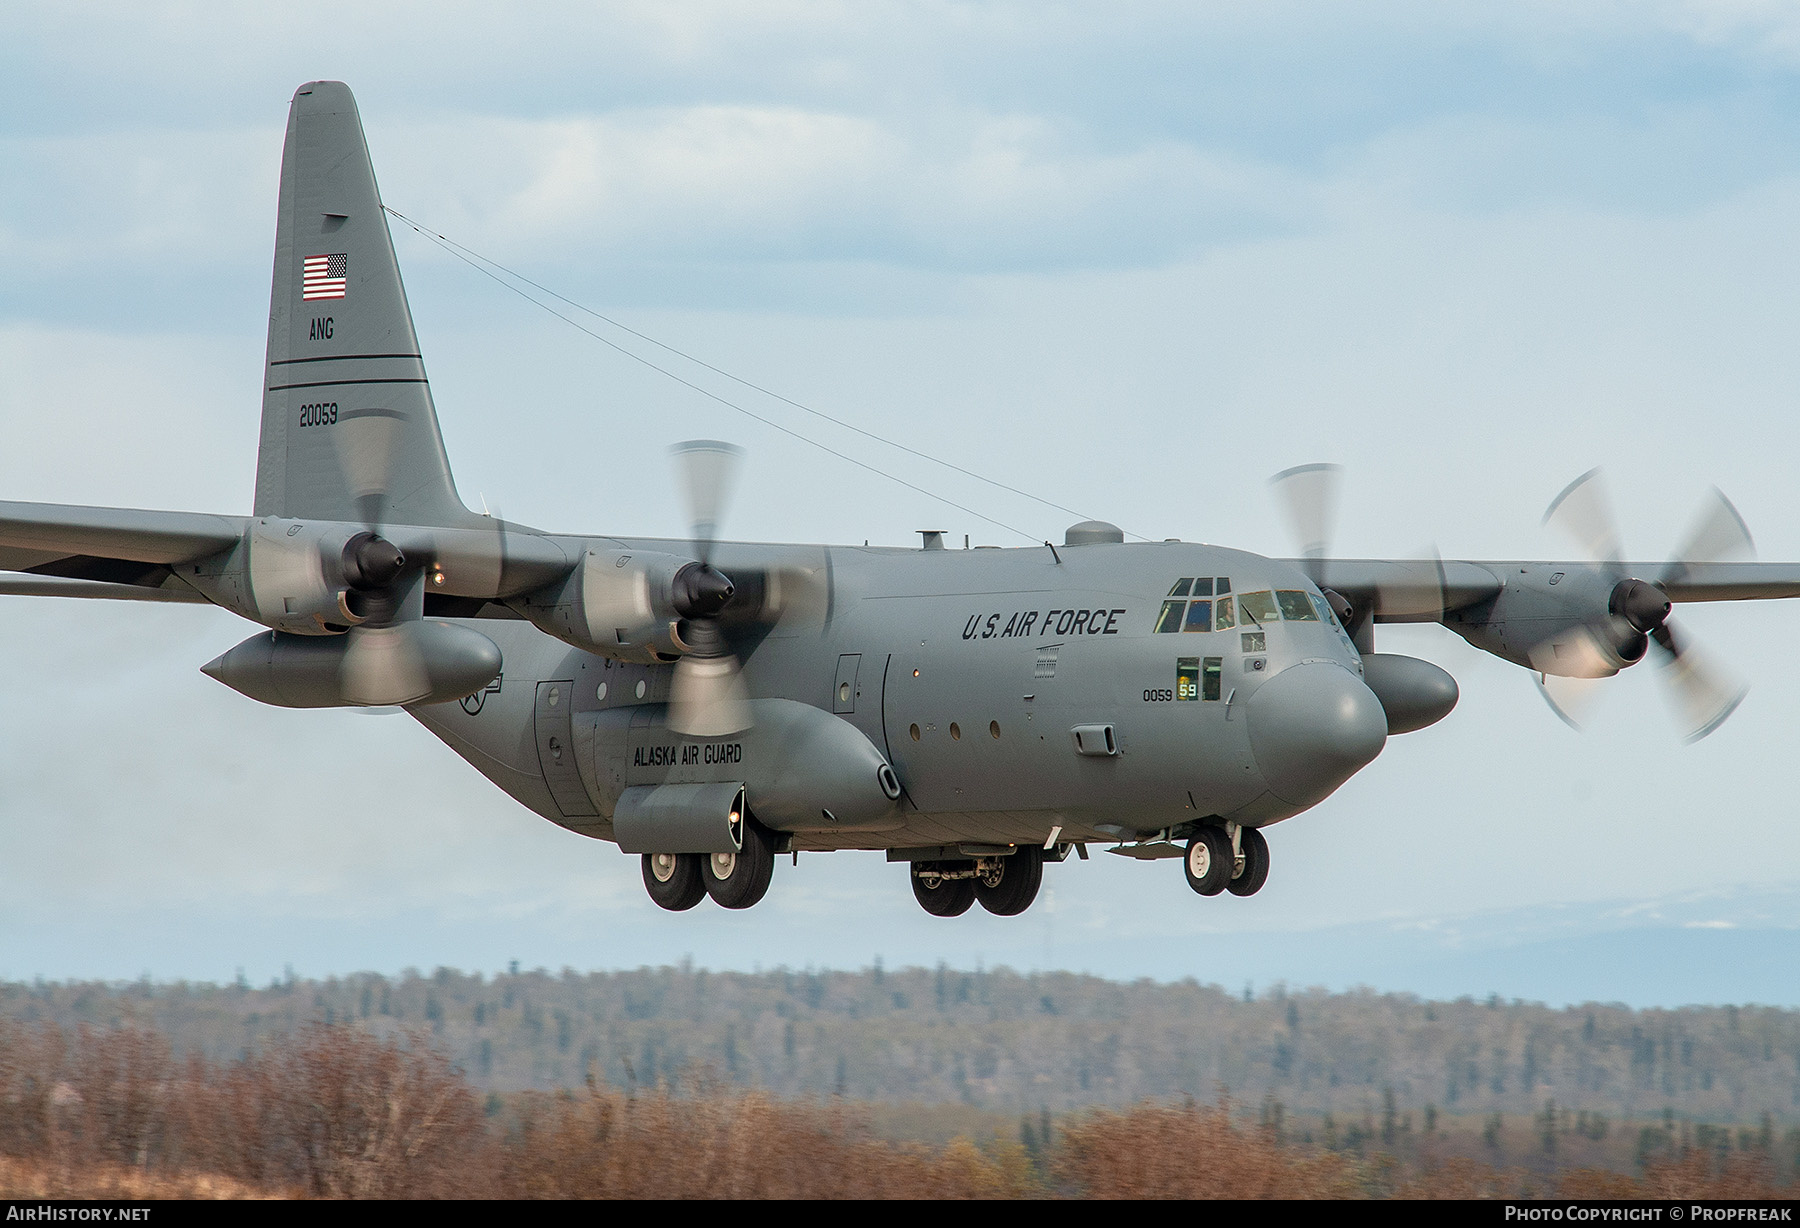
(677, 881)
(1213, 865)
(1005, 886)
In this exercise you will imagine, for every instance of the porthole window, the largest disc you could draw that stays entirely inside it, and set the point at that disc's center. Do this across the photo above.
(993, 729)
(600, 691)
(843, 692)
(642, 688)
(955, 732)
(915, 733)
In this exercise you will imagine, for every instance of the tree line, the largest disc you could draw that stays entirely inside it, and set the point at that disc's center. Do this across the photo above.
(1007, 1042)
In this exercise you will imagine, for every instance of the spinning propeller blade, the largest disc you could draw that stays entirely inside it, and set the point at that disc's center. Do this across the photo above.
(1569, 698)
(383, 665)
(1701, 692)
(1308, 496)
(708, 696)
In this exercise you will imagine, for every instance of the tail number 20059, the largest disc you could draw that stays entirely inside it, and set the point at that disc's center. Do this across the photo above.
(325, 413)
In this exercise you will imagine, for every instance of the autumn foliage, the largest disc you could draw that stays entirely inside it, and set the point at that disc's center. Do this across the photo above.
(335, 1112)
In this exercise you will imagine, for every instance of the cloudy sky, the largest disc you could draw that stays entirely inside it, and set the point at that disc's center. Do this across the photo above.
(1132, 258)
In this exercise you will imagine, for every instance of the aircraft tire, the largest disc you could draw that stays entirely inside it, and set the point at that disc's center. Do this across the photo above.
(673, 880)
(943, 897)
(741, 879)
(1020, 877)
(1209, 861)
(1255, 873)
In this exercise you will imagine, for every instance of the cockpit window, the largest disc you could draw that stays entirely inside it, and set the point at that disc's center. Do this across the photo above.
(1325, 614)
(1295, 607)
(1177, 614)
(1257, 607)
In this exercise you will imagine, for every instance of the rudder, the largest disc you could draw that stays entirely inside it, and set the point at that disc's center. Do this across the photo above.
(349, 431)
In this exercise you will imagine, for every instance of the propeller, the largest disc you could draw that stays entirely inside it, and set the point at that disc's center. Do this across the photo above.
(1702, 693)
(1308, 498)
(707, 697)
(383, 665)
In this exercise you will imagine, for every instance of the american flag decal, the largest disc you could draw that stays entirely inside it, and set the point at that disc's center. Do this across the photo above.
(324, 276)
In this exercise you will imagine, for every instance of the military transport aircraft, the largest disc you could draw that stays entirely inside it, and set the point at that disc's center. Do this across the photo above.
(710, 705)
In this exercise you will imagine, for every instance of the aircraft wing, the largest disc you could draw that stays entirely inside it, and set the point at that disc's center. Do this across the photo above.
(104, 552)
(1405, 590)
(1421, 590)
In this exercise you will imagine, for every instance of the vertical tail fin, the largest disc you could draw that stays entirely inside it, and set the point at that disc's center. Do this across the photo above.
(348, 429)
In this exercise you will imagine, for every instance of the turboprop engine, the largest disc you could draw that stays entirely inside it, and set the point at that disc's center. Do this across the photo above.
(304, 578)
(628, 604)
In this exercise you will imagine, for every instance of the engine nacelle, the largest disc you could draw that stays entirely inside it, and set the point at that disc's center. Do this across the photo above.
(617, 603)
(1574, 622)
(298, 577)
(307, 671)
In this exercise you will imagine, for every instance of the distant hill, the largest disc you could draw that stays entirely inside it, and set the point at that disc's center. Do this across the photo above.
(1006, 1042)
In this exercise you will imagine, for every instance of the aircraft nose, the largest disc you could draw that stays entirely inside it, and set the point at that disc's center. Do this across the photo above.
(1312, 727)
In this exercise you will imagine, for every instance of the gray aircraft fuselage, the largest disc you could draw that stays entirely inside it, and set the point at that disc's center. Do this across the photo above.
(968, 670)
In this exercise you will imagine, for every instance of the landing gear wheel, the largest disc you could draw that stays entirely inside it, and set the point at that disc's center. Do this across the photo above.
(1009, 890)
(740, 879)
(1209, 861)
(942, 897)
(673, 880)
(1255, 873)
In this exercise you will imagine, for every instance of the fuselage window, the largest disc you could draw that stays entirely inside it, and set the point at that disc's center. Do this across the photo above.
(1199, 616)
(1209, 677)
(1170, 618)
(1295, 607)
(1257, 607)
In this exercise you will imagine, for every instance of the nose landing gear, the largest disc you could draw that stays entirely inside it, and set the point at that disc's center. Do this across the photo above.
(1213, 864)
(1252, 863)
